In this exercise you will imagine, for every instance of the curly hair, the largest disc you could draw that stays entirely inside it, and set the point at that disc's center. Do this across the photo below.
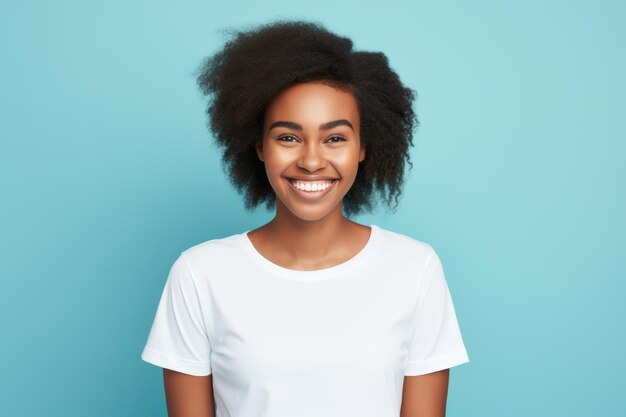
(257, 65)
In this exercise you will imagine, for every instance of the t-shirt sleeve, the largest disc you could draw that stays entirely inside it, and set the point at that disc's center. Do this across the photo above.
(436, 343)
(178, 338)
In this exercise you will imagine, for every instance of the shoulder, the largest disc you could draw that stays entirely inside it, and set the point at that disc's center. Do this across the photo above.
(400, 244)
(406, 258)
(213, 252)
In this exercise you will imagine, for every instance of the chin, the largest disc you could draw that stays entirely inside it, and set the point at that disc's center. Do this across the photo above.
(310, 216)
(311, 213)
(303, 209)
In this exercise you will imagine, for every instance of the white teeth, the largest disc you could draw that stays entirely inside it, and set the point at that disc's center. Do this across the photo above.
(311, 185)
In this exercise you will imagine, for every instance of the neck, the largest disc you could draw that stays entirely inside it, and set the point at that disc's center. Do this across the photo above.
(309, 239)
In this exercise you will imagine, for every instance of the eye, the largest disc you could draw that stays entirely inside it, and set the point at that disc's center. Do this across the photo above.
(336, 139)
(287, 138)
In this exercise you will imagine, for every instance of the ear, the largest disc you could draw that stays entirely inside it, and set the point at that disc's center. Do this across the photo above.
(362, 154)
(259, 149)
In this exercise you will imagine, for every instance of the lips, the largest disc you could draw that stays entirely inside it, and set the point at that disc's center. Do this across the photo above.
(314, 191)
(312, 186)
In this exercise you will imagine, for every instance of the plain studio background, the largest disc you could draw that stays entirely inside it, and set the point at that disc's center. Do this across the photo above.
(107, 172)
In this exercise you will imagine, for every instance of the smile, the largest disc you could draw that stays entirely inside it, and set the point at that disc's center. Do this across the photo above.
(311, 189)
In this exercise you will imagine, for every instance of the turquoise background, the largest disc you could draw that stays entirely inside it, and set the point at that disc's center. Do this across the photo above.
(107, 172)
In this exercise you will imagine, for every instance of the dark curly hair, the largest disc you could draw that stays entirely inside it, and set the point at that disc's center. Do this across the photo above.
(258, 64)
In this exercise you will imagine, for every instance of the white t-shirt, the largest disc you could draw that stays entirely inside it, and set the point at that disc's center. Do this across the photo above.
(333, 342)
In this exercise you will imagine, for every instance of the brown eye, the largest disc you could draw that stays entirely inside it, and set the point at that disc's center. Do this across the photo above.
(287, 138)
(336, 138)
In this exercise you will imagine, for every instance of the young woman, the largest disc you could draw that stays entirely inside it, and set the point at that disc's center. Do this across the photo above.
(311, 314)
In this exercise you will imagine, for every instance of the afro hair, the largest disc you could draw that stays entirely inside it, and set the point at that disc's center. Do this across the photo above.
(256, 65)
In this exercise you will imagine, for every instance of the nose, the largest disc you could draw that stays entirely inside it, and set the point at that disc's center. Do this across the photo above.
(311, 157)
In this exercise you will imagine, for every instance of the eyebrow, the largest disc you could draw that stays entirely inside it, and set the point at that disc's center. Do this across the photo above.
(323, 126)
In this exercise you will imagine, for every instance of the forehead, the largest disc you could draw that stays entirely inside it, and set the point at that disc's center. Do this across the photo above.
(312, 104)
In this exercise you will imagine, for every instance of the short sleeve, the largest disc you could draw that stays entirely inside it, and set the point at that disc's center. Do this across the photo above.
(436, 343)
(178, 338)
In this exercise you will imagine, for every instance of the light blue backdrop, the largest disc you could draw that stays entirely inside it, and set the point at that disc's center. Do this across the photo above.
(108, 172)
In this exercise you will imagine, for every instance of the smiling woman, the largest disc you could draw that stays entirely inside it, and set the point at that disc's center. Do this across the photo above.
(311, 314)
(311, 149)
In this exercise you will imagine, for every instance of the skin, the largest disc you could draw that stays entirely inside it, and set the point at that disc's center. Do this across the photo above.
(425, 395)
(188, 395)
(309, 234)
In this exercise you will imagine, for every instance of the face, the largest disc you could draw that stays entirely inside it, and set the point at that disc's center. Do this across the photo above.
(311, 149)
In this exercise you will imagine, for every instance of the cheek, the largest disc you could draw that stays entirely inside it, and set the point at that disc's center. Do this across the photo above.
(273, 172)
(347, 163)
(275, 163)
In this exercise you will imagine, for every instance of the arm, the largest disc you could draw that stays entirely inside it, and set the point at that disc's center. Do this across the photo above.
(188, 395)
(425, 395)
